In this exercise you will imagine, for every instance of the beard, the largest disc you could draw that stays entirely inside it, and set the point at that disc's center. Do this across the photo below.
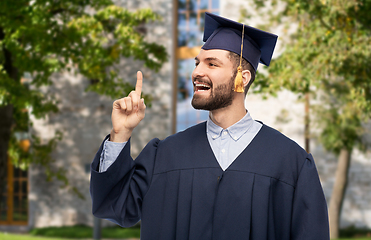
(220, 97)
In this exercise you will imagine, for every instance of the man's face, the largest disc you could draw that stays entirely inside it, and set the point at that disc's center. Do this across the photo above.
(213, 81)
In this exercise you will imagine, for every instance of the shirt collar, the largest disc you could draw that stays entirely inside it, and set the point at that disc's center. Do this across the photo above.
(235, 131)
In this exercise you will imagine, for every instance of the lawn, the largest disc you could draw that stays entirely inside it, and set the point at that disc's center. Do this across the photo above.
(85, 232)
(81, 231)
(74, 232)
(354, 239)
(8, 236)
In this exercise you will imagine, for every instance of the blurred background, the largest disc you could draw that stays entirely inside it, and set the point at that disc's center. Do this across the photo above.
(62, 63)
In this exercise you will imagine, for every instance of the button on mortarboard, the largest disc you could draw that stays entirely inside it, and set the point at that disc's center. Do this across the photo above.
(225, 34)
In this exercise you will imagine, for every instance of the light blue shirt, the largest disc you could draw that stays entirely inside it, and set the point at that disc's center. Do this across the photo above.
(110, 152)
(226, 144)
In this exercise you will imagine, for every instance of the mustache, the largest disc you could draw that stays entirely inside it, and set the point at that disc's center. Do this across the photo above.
(202, 80)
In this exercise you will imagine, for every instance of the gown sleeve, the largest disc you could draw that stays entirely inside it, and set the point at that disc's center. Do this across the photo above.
(310, 216)
(117, 193)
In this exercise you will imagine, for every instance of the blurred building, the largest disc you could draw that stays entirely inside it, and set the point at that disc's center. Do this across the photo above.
(84, 119)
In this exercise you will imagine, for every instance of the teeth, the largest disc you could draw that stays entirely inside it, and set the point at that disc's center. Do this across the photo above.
(202, 85)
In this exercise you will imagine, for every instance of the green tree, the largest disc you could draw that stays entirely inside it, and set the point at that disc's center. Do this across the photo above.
(42, 37)
(328, 59)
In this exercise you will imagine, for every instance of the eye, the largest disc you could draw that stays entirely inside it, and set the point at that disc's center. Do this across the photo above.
(196, 63)
(212, 65)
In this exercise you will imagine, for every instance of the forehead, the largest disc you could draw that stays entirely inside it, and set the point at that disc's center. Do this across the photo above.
(221, 55)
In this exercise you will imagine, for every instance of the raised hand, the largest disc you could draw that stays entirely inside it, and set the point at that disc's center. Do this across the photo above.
(127, 112)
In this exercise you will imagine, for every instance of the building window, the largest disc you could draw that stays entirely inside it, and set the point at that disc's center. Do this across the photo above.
(14, 197)
(191, 14)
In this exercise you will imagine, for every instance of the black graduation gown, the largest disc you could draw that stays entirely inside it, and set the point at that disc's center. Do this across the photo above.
(178, 190)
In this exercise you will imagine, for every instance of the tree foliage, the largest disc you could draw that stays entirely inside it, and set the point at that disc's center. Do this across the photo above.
(41, 37)
(327, 57)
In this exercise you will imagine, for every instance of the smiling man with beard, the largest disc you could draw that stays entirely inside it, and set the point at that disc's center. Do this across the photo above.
(219, 96)
(227, 178)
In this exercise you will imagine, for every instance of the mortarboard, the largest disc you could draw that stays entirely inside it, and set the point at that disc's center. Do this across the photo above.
(256, 45)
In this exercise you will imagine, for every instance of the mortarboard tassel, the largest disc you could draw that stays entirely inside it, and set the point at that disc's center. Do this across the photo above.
(238, 82)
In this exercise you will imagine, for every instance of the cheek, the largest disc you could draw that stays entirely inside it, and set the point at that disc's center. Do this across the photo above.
(233, 75)
(222, 77)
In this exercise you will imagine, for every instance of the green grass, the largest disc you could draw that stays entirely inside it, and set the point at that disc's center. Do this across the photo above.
(354, 239)
(81, 231)
(8, 236)
(84, 232)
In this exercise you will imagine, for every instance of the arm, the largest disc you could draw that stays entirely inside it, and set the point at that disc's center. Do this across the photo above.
(117, 193)
(126, 114)
(309, 217)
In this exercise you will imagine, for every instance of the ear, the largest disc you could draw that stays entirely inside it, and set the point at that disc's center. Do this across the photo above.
(246, 77)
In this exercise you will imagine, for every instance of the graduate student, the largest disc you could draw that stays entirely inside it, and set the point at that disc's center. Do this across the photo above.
(227, 178)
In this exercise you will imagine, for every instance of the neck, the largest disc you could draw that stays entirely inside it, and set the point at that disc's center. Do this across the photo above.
(226, 117)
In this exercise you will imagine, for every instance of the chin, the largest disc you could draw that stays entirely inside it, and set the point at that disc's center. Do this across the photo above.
(197, 103)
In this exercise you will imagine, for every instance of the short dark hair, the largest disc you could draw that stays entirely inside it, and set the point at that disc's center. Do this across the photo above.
(235, 59)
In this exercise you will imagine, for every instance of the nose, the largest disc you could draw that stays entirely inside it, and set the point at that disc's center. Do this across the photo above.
(198, 72)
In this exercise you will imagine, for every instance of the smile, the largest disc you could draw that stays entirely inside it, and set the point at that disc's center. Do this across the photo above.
(201, 87)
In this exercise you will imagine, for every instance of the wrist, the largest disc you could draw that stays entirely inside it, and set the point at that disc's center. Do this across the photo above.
(120, 136)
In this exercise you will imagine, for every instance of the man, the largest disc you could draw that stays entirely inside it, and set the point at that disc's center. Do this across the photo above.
(227, 178)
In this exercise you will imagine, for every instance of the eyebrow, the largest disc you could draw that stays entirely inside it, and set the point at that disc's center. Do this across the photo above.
(209, 59)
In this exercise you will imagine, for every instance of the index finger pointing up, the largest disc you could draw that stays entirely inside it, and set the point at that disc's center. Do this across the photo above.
(138, 86)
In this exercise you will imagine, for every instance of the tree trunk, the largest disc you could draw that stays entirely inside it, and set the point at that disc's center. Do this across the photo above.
(337, 197)
(6, 120)
(6, 113)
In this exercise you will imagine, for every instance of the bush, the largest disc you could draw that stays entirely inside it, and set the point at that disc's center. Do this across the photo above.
(353, 232)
